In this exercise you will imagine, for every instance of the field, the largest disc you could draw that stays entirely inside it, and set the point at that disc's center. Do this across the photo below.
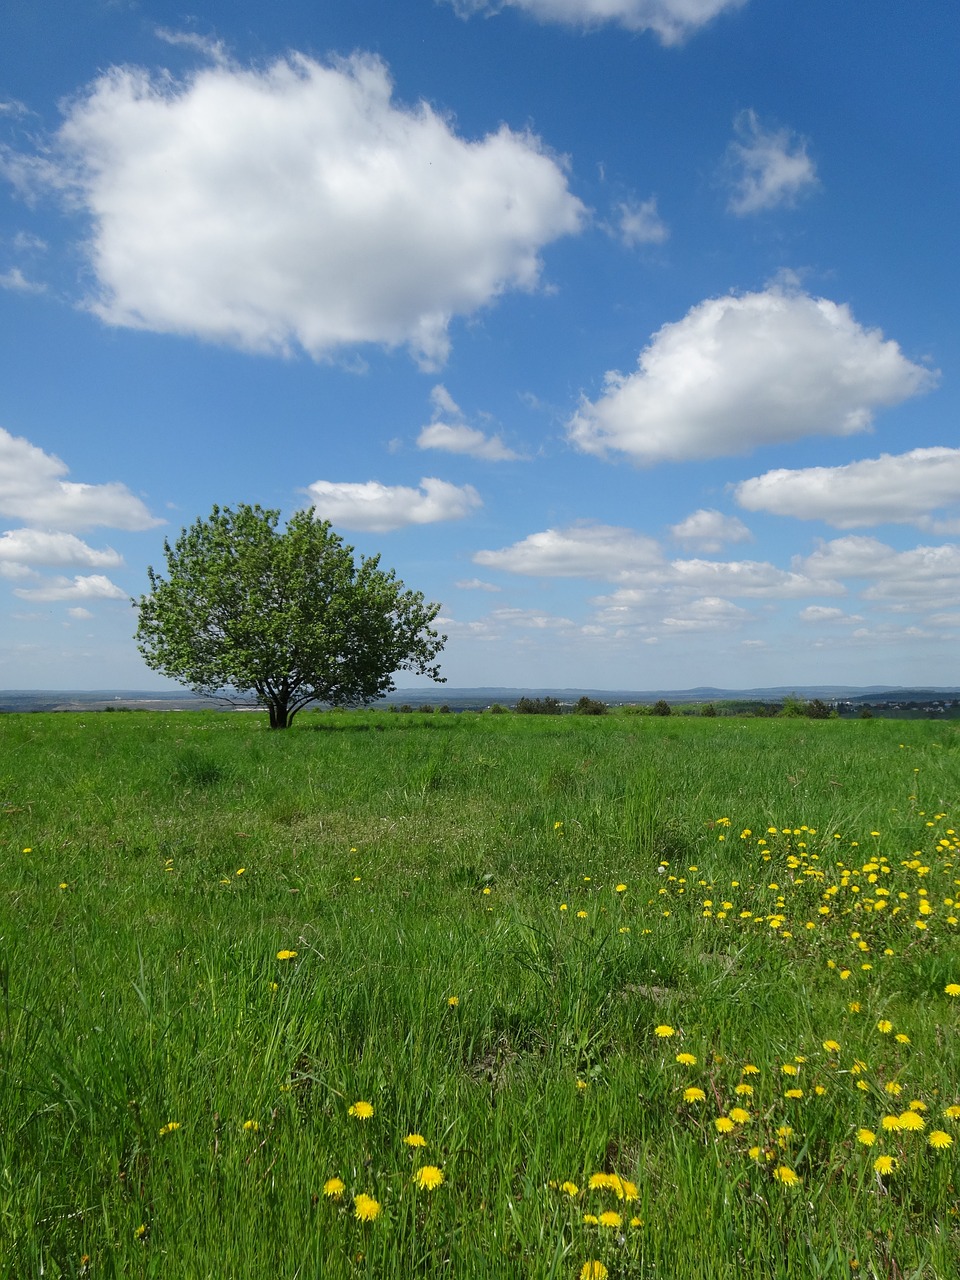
(478, 996)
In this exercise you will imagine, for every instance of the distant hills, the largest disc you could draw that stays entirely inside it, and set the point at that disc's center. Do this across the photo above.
(476, 698)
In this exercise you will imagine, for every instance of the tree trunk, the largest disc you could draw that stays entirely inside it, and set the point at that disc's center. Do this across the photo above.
(280, 717)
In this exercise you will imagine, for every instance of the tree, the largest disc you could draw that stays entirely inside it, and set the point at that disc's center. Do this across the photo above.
(661, 708)
(285, 615)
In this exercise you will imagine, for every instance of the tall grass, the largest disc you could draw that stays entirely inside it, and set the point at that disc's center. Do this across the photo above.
(491, 917)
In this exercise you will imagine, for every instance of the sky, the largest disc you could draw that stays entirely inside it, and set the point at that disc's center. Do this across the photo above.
(625, 330)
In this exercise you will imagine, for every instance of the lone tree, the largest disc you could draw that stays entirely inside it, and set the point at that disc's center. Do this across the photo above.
(285, 615)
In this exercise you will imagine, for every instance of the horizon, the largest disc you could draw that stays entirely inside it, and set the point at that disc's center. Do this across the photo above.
(646, 363)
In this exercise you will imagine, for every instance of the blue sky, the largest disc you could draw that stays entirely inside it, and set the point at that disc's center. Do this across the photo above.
(625, 329)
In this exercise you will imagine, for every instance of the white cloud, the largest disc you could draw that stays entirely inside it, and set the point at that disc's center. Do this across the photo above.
(532, 619)
(17, 282)
(79, 613)
(581, 551)
(708, 530)
(755, 579)
(215, 50)
(618, 555)
(95, 586)
(739, 372)
(919, 577)
(826, 613)
(298, 207)
(378, 508)
(457, 436)
(32, 489)
(671, 20)
(708, 613)
(640, 223)
(36, 547)
(894, 488)
(768, 167)
(475, 584)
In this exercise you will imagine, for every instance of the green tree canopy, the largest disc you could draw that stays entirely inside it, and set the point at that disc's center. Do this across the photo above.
(285, 615)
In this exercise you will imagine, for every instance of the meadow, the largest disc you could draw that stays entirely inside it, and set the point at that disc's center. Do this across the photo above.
(478, 996)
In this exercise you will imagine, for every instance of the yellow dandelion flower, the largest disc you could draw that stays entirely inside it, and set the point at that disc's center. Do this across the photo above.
(917, 1105)
(891, 1123)
(909, 1120)
(693, 1094)
(570, 1188)
(893, 1088)
(739, 1116)
(360, 1110)
(334, 1188)
(453, 1001)
(723, 1124)
(636, 1222)
(793, 1093)
(365, 1208)
(831, 1046)
(750, 1070)
(819, 1090)
(952, 989)
(428, 1178)
(415, 1140)
(940, 1140)
(785, 1131)
(286, 955)
(601, 1181)
(789, 1069)
(901, 1038)
(884, 1027)
(743, 1090)
(952, 1113)
(866, 1136)
(786, 1175)
(687, 1059)
(590, 1219)
(252, 1126)
(582, 1084)
(170, 1127)
(754, 1153)
(621, 888)
(610, 1219)
(593, 1271)
(885, 1165)
(664, 1032)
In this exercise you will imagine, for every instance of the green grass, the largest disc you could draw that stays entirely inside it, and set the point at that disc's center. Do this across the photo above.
(153, 866)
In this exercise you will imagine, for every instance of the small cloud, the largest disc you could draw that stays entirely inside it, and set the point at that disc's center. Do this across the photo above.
(640, 223)
(824, 613)
(604, 552)
(769, 168)
(32, 488)
(79, 613)
(17, 282)
(94, 586)
(379, 508)
(671, 20)
(475, 584)
(900, 488)
(214, 50)
(40, 547)
(709, 530)
(457, 436)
